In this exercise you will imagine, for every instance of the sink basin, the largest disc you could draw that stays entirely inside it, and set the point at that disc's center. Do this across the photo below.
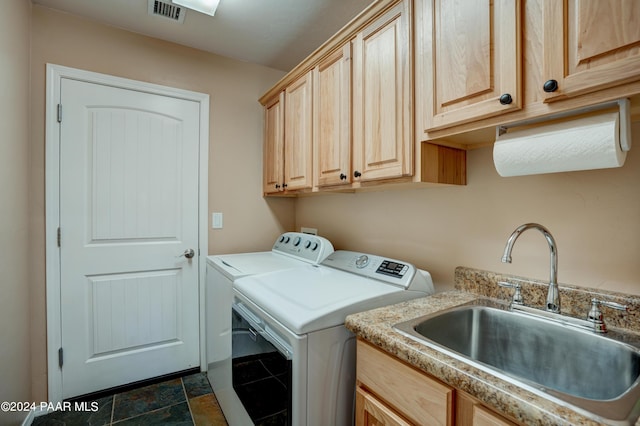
(591, 372)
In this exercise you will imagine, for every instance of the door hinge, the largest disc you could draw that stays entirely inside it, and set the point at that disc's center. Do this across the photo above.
(59, 113)
(60, 357)
(59, 238)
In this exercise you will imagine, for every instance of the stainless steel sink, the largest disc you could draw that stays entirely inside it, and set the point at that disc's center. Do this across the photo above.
(589, 371)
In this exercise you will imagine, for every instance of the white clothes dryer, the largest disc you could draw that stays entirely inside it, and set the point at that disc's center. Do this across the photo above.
(290, 250)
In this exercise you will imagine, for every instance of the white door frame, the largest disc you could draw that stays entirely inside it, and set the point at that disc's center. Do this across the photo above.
(55, 74)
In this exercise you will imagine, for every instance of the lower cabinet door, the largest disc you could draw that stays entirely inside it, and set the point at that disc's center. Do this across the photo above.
(372, 412)
(469, 412)
(419, 399)
(484, 417)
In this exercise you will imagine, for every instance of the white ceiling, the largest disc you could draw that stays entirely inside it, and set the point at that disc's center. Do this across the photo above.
(275, 33)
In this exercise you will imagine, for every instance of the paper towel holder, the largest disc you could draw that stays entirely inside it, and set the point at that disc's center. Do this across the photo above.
(624, 105)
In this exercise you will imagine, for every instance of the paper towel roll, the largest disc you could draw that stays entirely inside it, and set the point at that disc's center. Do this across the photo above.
(580, 144)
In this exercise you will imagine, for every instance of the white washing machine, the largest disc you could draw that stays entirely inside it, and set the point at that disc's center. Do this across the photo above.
(301, 370)
(290, 250)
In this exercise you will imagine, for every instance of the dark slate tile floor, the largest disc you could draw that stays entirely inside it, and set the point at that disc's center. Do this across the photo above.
(178, 402)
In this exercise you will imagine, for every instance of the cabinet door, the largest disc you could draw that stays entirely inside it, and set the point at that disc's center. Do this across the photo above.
(590, 44)
(298, 134)
(273, 155)
(485, 417)
(382, 104)
(470, 411)
(332, 119)
(371, 412)
(418, 397)
(468, 60)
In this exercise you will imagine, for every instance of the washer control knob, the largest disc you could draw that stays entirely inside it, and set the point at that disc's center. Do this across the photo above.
(281, 239)
(362, 261)
(296, 241)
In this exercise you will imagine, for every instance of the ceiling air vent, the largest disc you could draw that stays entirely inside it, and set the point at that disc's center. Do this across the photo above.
(167, 10)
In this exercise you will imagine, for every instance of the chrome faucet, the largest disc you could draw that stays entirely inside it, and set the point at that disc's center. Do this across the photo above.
(553, 295)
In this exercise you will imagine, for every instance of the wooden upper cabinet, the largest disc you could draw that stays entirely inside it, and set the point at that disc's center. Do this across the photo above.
(590, 45)
(332, 119)
(382, 98)
(468, 64)
(298, 134)
(273, 154)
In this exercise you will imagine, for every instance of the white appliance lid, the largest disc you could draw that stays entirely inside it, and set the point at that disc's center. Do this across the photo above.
(243, 264)
(289, 250)
(310, 298)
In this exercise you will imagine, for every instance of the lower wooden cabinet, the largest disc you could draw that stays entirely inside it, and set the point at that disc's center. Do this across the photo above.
(405, 390)
(370, 411)
(391, 393)
(470, 411)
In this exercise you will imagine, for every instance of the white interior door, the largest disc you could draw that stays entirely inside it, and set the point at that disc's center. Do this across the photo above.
(128, 210)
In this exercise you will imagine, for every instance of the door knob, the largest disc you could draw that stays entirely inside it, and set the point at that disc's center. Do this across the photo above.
(506, 99)
(550, 86)
(188, 253)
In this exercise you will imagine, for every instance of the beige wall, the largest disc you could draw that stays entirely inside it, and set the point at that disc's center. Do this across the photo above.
(15, 378)
(235, 159)
(593, 215)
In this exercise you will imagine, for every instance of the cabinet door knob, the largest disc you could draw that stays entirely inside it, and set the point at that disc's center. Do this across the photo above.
(277, 186)
(343, 176)
(550, 86)
(506, 99)
(284, 185)
(357, 174)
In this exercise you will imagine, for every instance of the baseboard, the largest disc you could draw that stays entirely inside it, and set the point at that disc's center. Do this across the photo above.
(134, 385)
(36, 412)
(40, 411)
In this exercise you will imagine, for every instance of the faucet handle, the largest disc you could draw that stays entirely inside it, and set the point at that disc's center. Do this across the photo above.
(595, 315)
(517, 294)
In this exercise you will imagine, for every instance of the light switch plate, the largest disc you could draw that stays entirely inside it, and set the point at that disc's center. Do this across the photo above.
(216, 220)
(312, 231)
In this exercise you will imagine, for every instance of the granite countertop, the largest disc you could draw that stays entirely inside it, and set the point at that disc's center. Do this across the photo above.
(518, 403)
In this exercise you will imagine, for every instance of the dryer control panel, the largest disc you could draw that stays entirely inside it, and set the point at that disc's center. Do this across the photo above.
(306, 247)
(390, 271)
(392, 268)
